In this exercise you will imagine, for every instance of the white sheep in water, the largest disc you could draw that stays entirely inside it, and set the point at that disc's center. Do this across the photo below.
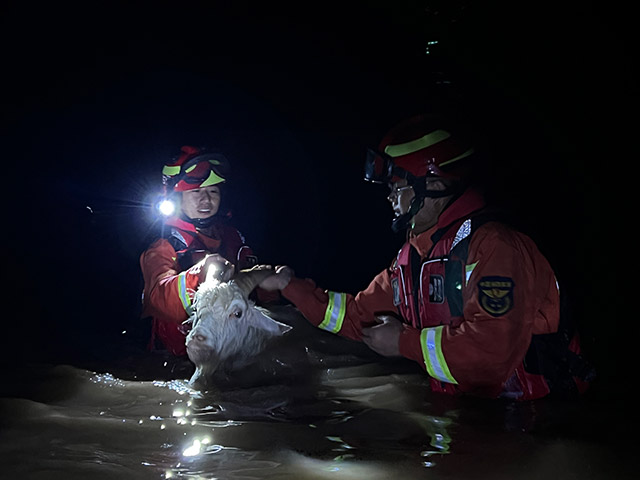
(228, 329)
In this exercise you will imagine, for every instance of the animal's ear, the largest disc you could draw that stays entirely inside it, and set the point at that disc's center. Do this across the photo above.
(264, 322)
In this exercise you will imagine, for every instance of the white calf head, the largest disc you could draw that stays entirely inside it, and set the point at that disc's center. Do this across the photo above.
(227, 325)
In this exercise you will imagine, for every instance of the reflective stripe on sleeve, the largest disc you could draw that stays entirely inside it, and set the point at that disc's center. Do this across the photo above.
(182, 293)
(431, 343)
(334, 315)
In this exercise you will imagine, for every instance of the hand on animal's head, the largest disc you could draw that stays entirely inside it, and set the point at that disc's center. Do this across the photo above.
(226, 324)
(279, 280)
(213, 266)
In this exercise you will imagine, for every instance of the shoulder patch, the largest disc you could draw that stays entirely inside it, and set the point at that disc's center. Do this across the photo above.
(495, 295)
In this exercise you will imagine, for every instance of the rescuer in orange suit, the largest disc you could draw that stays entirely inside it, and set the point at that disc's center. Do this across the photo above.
(470, 299)
(196, 235)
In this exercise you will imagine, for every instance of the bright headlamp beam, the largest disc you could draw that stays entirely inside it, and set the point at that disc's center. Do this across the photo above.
(166, 208)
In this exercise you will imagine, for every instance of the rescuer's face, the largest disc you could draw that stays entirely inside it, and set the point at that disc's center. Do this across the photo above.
(431, 209)
(201, 202)
(400, 197)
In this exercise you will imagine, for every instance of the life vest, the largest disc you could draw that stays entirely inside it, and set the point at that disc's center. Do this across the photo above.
(190, 247)
(428, 293)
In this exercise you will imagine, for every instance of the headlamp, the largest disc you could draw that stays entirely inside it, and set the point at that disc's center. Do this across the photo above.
(166, 207)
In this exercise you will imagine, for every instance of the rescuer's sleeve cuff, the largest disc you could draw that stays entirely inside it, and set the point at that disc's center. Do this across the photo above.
(309, 299)
(409, 344)
(425, 347)
(298, 289)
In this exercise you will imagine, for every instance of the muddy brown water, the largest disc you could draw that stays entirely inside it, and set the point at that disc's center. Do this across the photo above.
(313, 406)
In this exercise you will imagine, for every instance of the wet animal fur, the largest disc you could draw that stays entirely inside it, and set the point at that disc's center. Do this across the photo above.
(228, 329)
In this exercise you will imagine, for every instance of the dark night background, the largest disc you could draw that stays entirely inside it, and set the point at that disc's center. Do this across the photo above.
(97, 95)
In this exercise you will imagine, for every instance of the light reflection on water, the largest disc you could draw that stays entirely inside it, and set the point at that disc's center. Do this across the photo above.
(344, 419)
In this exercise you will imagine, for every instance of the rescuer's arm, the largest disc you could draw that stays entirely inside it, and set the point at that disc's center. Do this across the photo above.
(501, 300)
(168, 293)
(337, 312)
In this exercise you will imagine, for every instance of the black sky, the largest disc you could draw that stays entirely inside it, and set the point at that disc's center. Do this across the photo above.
(97, 95)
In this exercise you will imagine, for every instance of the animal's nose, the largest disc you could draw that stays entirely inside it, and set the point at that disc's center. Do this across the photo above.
(196, 338)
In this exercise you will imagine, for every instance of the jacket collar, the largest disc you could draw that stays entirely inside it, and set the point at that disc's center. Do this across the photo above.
(462, 207)
(470, 201)
(183, 225)
(194, 239)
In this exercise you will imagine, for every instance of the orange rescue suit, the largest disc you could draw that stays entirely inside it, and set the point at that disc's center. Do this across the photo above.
(507, 291)
(170, 283)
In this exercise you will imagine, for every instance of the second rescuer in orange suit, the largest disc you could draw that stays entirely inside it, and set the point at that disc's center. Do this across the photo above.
(466, 296)
(196, 236)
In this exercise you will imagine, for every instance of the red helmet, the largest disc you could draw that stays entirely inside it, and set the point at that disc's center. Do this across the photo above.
(416, 148)
(194, 168)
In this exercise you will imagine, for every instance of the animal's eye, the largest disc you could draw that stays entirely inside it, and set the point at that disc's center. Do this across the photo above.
(237, 313)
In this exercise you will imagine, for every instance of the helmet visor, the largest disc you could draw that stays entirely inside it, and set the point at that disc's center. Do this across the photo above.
(379, 168)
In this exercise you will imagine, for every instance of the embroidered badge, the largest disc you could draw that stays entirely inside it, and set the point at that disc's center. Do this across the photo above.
(436, 289)
(396, 291)
(495, 295)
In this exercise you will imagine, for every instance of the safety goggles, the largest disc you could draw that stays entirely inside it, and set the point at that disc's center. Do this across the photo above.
(197, 170)
(380, 168)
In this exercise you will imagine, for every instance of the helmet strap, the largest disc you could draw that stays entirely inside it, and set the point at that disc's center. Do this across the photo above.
(402, 222)
(419, 186)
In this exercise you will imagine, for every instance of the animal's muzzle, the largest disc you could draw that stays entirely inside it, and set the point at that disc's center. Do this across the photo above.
(197, 348)
(196, 339)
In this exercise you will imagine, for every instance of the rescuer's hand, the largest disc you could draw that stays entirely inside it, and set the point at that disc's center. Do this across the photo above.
(384, 337)
(213, 266)
(279, 280)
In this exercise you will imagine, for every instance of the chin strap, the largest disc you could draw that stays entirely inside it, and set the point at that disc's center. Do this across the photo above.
(419, 186)
(402, 222)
